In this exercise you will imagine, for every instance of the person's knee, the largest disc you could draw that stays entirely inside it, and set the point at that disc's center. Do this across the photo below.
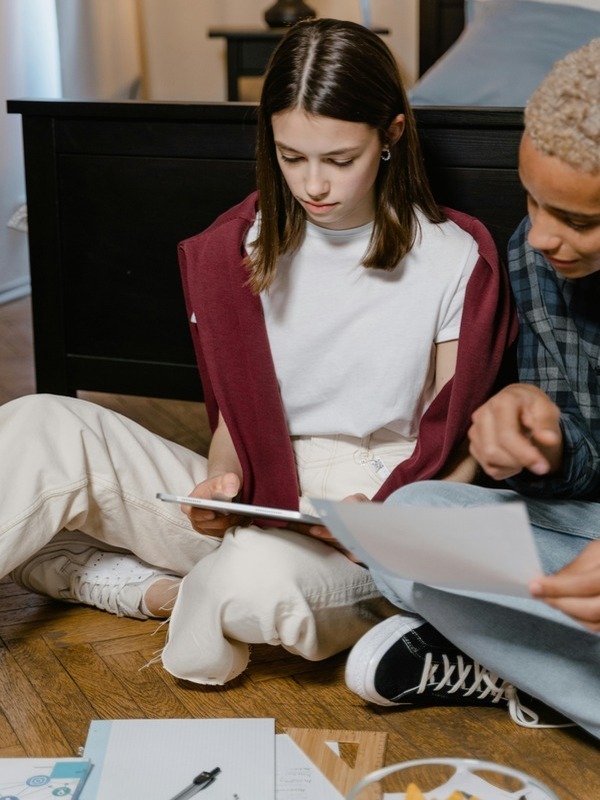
(262, 574)
(39, 405)
(422, 493)
(269, 580)
(31, 409)
(415, 494)
(28, 404)
(441, 493)
(250, 597)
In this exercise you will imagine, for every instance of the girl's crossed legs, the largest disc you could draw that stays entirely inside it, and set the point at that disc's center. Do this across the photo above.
(91, 472)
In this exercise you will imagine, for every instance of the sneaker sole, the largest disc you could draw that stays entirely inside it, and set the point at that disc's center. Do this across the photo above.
(367, 653)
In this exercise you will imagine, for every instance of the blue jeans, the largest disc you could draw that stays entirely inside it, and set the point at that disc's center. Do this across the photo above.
(536, 648)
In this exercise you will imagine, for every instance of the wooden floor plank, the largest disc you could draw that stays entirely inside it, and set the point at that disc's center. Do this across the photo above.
(106, 695)
(12, 752)
(8, 738)
(56, 689)
(148, 644)
(143, 684)
(32, 723)
(16, 350)
(52, 619)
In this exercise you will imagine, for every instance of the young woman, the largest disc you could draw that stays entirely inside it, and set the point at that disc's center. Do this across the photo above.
(325, 311)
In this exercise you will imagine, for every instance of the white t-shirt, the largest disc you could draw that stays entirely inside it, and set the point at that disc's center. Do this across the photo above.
(354, 348)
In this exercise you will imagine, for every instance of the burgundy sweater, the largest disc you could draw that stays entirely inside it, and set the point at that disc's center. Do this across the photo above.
(238, 375)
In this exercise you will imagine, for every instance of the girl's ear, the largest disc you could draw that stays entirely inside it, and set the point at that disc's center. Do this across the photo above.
(395, 130)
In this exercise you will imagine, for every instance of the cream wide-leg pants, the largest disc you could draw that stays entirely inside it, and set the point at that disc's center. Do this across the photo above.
(67, 464)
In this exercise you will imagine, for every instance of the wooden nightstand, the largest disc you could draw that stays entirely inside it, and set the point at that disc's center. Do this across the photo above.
(249, 50)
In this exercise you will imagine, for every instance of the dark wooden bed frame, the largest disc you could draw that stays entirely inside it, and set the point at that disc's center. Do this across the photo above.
(112, 188)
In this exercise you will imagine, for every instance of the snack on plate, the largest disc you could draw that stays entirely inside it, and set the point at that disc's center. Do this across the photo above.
(414, 793)
(460, 796)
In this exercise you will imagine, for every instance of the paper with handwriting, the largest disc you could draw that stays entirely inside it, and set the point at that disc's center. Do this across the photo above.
(297, 777)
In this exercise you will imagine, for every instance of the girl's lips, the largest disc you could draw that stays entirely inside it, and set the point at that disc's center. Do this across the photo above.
(319, 208)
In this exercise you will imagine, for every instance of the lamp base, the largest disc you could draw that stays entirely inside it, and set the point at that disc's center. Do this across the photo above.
(287, 12)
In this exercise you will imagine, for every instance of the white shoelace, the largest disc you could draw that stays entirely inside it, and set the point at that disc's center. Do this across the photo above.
(116, 582)
(104, 596)
(483, 683)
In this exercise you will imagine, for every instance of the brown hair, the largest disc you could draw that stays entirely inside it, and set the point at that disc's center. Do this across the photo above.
(341, 70)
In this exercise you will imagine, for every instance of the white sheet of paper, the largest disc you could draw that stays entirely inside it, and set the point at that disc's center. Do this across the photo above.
(477, 549)
(155, 759)
(297, 777)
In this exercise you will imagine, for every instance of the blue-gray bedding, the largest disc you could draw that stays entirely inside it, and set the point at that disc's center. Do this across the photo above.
(504, 53)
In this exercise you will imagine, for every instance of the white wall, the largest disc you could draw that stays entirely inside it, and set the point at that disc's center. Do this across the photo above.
(99, 48)
(182, 63)
(28, 68)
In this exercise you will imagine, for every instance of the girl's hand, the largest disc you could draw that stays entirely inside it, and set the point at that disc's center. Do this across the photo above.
(218, 487)
(575, 589)
(324, 534)
(517, 429)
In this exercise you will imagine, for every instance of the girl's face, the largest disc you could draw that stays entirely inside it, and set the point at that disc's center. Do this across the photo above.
(330, 166)
(564, 208)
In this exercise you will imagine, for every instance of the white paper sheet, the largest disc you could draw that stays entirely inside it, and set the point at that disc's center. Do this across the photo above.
(478, 549)
(141, 759)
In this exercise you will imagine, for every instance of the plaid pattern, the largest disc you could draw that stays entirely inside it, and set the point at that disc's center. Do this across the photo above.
(559, 351)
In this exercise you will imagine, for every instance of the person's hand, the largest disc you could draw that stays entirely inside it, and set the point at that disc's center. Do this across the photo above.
(219, 487)
(517, 429)
(575, 589)
(324, 534)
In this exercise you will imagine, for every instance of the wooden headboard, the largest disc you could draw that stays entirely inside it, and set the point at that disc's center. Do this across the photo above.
(112, 188)
(440, 24)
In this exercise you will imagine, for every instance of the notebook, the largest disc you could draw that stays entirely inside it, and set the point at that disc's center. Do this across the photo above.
(156, 759)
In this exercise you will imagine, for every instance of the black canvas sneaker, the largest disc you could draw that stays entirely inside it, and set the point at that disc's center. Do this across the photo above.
(404, 661)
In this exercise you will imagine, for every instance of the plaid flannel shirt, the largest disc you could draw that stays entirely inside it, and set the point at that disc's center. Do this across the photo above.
(559, 351)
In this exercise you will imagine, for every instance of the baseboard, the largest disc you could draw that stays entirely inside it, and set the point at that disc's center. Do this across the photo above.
(18, 289)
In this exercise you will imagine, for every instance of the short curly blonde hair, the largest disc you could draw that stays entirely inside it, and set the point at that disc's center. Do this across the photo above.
(562, 116)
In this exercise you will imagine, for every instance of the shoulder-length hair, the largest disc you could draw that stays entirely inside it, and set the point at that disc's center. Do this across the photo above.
(342, 70)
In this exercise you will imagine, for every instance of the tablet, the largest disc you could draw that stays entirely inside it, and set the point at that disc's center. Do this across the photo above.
(255, 512)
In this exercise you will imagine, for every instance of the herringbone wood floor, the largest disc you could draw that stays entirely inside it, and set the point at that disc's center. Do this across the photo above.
(62, 666)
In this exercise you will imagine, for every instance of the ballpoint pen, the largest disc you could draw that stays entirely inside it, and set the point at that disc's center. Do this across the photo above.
(200, 782)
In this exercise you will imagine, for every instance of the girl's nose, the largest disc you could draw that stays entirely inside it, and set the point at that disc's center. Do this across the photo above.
(316, 186)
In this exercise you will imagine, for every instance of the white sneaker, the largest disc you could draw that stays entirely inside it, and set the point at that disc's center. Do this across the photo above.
(75, 568)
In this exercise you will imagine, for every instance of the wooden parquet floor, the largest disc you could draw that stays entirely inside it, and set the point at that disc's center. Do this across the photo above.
(62, 666)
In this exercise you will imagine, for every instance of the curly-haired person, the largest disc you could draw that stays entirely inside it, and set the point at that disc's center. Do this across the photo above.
(540, 439)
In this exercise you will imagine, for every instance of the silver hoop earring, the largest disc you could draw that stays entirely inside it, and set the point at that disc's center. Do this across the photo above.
(386, 154)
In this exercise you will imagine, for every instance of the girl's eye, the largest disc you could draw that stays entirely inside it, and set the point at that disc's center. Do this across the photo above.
(297, 159)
